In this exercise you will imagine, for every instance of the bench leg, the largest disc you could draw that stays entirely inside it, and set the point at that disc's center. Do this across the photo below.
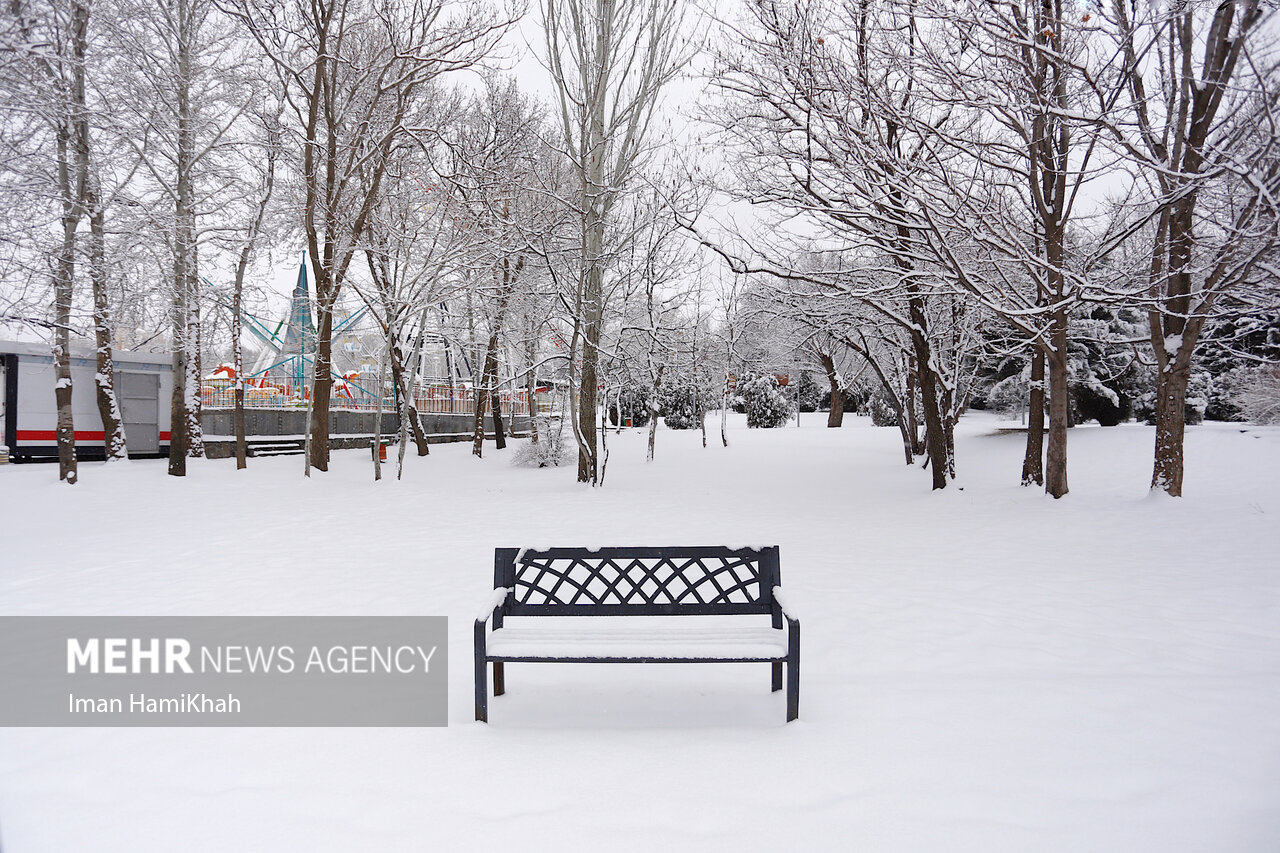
(499, 683)
(482, 676)
(793, 677)
(777, 676)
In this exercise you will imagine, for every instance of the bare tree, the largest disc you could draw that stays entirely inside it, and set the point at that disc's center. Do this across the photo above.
(609, 61)
(829, 132)
(355, 71)
(270, 149)
(1200, 111)
(48, 52)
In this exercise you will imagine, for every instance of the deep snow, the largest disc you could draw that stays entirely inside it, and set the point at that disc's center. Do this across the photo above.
(982, 669)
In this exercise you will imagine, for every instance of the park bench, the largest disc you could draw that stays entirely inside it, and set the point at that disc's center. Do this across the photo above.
(624, 585)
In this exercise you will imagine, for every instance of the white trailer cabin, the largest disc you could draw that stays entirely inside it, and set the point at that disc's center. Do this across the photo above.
(28, 411)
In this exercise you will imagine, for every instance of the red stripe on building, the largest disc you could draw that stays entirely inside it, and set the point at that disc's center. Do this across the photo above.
(52, 435)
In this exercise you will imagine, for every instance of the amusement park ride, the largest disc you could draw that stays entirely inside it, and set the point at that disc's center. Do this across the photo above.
(284, 364)
(281, 372)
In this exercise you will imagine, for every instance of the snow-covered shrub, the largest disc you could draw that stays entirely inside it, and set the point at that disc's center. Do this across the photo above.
(1107, 382)
(807, 392)
(680, 406)
(549, 450)
(1230, 349)
(855, 400)
(634, 402)
(1224, 394)
(882, 414)
(1009, 395)
(1197, 396)
(765, 403)
(1258, 398)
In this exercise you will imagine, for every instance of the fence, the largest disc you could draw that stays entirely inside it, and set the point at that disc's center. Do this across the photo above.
(430, 399)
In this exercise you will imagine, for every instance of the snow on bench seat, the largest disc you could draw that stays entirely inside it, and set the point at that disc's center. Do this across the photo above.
(620, 639)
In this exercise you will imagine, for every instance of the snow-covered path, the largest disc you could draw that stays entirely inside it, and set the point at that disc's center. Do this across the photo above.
(983, 669)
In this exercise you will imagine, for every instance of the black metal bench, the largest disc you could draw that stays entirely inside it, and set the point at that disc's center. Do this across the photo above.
(630, 582)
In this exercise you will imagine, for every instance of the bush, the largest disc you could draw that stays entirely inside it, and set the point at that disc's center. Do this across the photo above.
(680, 407)
(549, 450)
(765, 403)
(808, 393)
(1259, 396)
(634, 402)
(882, 414)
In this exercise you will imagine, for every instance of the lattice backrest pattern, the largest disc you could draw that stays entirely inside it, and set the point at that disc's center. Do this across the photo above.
(636, 577)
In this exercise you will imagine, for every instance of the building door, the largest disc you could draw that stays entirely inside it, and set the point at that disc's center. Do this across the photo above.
(140, 409)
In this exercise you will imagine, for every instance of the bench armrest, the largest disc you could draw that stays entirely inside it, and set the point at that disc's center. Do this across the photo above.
(781, 604)
(496, 600)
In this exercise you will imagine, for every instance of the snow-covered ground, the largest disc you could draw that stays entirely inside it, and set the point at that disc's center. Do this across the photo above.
(983, 669)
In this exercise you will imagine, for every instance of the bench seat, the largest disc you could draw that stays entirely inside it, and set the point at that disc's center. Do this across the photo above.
(619, 639)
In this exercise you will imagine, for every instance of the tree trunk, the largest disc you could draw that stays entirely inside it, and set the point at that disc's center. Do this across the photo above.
(592, 303)
(409, 411)
(237, 358)
(178, 400)
(90, 202)
(531, 386)
(1171, 418)
(1174, 371)
(322, 380)
(237, 294)
(949, 417)
(71, 133)
(911, 424)
(183, 249)
(376, 447)
(108, 406)
(195, 367)
(835, 417)
(495, 406)
(593, 309)
(63, 279)
(653, 411)
(934, 437)
(491, 367)
(702, 418)
(481, 400)
(1055, 475)
(1033, 459)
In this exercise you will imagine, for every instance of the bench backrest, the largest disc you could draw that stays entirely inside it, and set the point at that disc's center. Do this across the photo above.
(672, 580)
